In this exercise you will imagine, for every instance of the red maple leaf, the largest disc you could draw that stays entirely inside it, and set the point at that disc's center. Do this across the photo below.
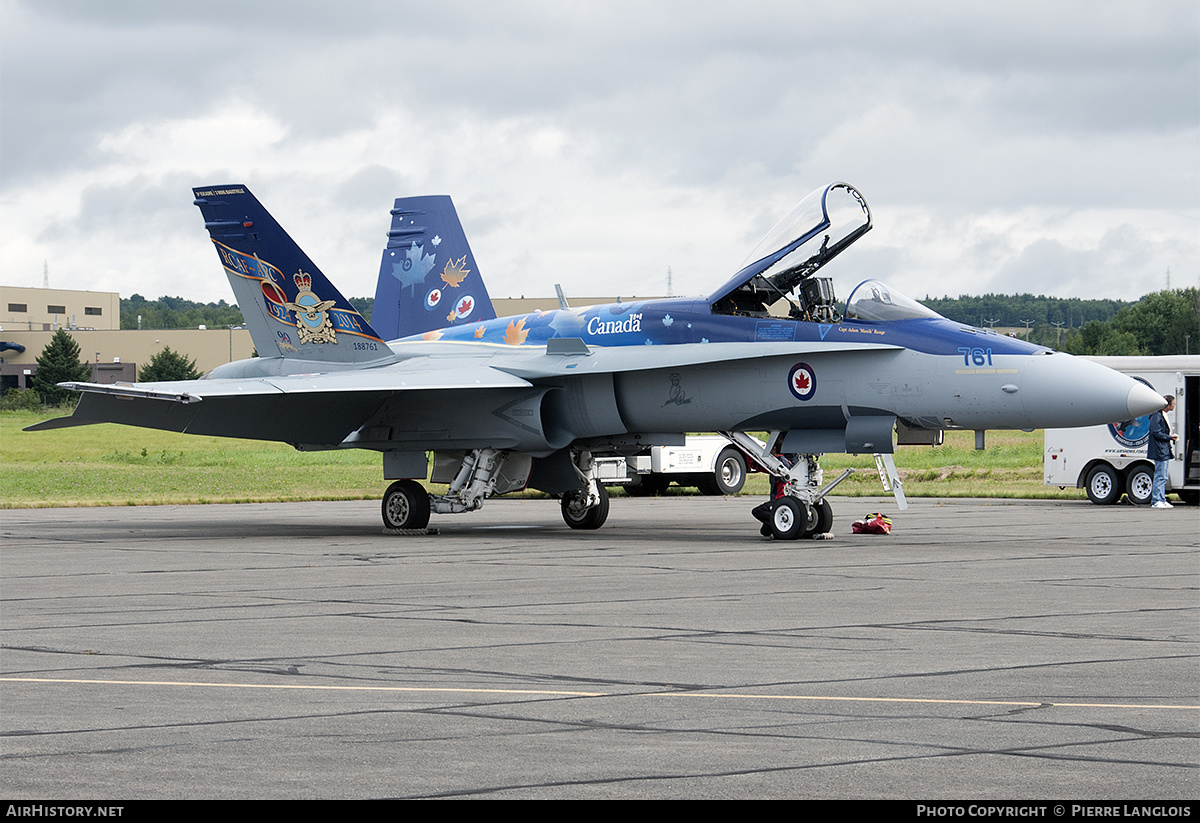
(465, 306)
(801, 381)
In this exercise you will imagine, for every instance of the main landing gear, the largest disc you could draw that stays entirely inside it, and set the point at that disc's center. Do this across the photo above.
(474, 476)
(585, 508)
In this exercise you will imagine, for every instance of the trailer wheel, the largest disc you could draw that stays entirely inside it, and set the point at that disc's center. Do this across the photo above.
(1103, 485)
(1139, 485)
(729, 474)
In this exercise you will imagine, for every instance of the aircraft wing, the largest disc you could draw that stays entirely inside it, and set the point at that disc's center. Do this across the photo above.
(430, 376)
(299, 408)
(429, 396)
(573, 356)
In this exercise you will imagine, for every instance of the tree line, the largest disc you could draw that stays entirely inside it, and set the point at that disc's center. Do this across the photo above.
(1024, 310)
(1160, 323)
(1163, 322)
(178, 313)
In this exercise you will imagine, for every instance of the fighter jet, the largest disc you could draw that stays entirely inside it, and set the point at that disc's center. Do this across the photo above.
(518, 402)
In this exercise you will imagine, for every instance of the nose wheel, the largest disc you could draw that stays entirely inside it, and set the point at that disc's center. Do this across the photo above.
(577, 513)
(790, 518)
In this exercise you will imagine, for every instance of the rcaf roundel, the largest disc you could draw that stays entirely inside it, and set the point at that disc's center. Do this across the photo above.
(432, 299)
(802, 381)
(273, 293)
(464, 306)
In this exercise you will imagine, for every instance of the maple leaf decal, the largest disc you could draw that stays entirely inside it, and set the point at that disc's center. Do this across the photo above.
(432, 335)
(516, 333)
(454, 273)
(479, 332)
(801, 382)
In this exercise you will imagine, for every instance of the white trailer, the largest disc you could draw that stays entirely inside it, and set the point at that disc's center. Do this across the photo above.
(1110, 461)
(709, 462)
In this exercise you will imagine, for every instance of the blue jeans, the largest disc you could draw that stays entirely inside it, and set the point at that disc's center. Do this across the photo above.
(1159, 494)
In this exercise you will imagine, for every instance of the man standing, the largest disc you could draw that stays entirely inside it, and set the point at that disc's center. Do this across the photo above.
(1159, 450)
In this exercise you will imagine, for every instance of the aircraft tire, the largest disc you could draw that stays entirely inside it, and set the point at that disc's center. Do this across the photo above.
(729, 474)
(1103, 485)
(1139, 485)
(790, 518)
(405, 505)
(592, 518)
(824, 518)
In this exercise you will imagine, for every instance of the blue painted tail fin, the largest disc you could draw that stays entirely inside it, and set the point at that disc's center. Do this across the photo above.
(428, 278)
(290, 307)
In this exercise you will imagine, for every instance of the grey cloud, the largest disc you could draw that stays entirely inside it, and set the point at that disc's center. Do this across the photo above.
(951, 108)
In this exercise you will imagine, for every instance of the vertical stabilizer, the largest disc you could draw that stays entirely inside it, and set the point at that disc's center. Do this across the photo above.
(428, 278)
(290, 307)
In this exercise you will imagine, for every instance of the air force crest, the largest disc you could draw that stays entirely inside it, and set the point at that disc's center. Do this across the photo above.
(312, 313)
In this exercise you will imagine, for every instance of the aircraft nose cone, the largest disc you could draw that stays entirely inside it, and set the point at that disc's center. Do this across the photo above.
(1143, 400)
(1062, 391)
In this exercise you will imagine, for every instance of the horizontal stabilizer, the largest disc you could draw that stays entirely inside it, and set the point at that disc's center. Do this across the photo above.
(60, 423)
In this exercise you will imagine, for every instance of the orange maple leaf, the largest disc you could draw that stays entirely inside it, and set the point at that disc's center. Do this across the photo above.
(516, 333)
(479, 332)
(454, 273)
(432, 335)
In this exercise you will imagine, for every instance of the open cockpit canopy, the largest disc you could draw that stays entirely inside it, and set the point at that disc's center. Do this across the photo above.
(784, 263)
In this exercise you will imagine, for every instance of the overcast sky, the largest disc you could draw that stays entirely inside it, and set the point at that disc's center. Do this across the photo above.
(1047, 147)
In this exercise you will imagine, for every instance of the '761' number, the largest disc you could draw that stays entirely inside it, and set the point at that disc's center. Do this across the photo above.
(975, 357)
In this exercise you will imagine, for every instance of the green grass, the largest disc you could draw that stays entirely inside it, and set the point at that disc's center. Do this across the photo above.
(111, 465)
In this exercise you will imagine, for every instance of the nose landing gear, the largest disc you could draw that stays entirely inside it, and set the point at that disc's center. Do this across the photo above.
(802, 510)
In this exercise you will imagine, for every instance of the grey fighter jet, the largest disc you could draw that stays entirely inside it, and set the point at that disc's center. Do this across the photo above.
(508, 403)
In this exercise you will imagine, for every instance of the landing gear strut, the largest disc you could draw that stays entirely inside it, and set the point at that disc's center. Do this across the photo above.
(474, 476)
(480, 474)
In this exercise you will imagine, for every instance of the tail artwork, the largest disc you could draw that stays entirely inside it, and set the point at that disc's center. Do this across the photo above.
(428, 278)
(290, 307)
